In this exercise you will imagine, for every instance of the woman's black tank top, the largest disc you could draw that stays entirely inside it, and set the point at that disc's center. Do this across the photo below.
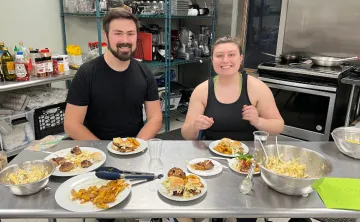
(228, 121)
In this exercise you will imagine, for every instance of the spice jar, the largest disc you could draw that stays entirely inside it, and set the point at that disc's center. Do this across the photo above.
(40, 67)
(60, 62)
(55, 65)
(48, 66)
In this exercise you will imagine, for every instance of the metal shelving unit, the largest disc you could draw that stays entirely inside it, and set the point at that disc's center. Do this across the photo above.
(35, 81)
(167, 64)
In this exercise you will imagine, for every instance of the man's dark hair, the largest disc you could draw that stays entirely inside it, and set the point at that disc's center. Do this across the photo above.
(118, 13)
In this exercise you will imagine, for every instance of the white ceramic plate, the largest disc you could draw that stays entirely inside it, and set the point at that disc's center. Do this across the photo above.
(142, 147)
(215, 143)
(78, 170)
(232, 165)
(215, 170)
(63, 193)
(162, 190)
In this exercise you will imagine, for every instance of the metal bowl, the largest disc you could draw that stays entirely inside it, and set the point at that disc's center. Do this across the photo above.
(342, 135)
(30, 188)
(317, 167)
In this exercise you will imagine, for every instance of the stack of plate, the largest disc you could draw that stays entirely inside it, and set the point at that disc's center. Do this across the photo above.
(179, 7)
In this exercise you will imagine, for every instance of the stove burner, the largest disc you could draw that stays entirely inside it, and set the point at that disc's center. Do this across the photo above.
(304, 69)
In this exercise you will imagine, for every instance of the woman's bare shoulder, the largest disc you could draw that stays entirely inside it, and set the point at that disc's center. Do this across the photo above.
(256, 84)
(201, 91)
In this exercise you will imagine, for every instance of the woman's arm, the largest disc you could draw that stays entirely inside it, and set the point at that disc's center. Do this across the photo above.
(195, 120)
(267, 117)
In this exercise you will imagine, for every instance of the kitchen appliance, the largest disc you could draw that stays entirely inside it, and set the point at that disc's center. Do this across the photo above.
(203, 41)
(184, 51)
(310, 98)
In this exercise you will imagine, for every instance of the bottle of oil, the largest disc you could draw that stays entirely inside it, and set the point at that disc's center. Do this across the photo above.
(8, 65)
(2, 45)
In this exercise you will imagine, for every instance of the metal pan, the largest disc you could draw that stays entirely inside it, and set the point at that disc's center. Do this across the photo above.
(330, 61)
(287, 57)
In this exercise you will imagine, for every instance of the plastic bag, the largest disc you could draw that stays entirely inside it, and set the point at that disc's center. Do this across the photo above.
(46, 143)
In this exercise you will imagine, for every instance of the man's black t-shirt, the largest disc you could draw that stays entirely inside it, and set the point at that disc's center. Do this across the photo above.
(114, 99)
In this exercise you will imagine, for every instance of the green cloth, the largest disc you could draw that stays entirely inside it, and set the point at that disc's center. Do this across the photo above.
(339, 193)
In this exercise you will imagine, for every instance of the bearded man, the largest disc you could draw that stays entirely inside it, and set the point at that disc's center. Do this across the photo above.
(107, 94)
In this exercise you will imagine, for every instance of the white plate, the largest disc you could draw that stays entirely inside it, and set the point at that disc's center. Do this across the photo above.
(215, 170)
(63, 193)
(232, 165)
(162, 190)
(142, 147)
(215, 143)
(76, 171)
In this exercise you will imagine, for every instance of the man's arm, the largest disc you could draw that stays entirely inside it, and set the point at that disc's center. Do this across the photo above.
(74, 123)
(154, 120)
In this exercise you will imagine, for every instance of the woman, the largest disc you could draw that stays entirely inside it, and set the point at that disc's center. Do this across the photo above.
(231, 104)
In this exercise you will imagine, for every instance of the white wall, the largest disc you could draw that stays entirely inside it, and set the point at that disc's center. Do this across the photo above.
(37, 23)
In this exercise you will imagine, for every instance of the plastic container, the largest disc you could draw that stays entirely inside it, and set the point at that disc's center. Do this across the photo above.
(21, 68)
(17, 130)
(40, 67)
(49, 120)
(61, 67)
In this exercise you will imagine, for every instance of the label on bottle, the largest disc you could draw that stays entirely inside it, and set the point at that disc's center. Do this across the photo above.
(49, 67)
(40, 68)
(20, 70)
(10, 67)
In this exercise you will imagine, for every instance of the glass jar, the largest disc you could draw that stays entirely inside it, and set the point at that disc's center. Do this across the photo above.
(3, 159)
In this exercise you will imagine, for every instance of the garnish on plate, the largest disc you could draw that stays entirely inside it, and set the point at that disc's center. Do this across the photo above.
(244, 163)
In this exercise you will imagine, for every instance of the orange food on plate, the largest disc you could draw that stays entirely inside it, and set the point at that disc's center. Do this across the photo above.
(102, 196)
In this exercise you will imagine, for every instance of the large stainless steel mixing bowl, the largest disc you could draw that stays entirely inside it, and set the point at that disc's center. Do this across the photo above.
(30, 188)
(317, 167)
(342, 136)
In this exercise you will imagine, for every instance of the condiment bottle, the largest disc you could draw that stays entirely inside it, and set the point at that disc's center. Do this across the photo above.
(21, 68)
(8, 66)
(2, 77)
(40, 67)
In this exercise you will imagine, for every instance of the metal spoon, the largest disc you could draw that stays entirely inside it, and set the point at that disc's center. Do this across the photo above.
(277, 147)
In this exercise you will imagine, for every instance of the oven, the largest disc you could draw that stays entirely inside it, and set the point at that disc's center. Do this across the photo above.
(307, 109)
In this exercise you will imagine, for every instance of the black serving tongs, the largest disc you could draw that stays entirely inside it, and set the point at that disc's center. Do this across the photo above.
(112, 173)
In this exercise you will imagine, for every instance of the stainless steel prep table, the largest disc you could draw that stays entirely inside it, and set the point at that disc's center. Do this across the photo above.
(223, 198)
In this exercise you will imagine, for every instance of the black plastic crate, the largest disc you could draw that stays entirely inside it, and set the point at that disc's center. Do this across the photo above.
(49, 120)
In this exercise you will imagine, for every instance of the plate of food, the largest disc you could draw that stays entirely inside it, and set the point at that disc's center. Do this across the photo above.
(181, 186)
(77, 160)
(87, 193)
(204, 167)
(242, 164)
(127, 146)
(228, 148)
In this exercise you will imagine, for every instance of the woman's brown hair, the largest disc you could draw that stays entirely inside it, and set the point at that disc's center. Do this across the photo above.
(227, 39)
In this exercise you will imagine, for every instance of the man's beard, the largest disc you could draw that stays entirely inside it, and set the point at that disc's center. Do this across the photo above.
(122, 56)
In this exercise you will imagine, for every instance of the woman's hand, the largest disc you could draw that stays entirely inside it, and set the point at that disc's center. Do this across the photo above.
(251, 114)
(202, 122)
